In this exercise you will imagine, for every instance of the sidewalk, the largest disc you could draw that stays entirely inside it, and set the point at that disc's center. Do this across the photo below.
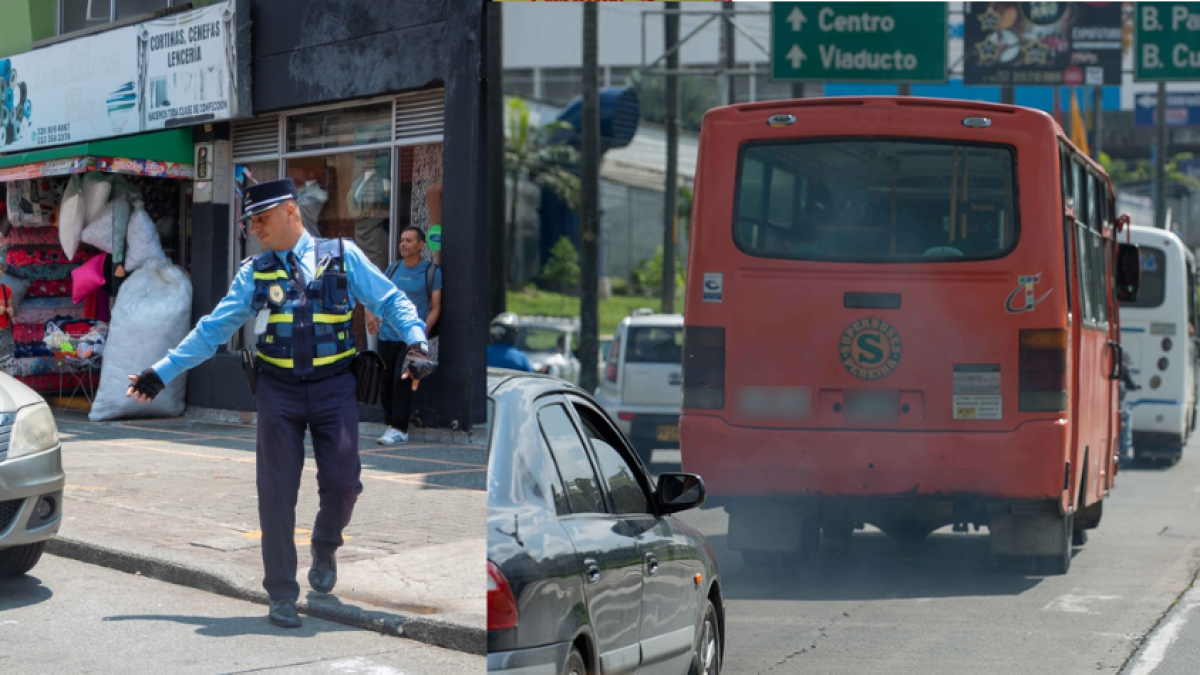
(175, 500)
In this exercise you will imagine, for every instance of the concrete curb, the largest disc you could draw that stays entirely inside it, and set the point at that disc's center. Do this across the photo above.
(431, 630)
(475, 437)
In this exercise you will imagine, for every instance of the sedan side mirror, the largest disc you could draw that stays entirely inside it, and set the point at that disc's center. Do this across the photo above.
(1129, 272)
(679, 492)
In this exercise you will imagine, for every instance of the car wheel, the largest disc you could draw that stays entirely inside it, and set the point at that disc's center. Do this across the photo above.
(18, 560)
(575, 664)
(707, 659)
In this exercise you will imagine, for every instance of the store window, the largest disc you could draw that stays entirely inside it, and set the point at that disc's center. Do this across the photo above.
(75, 15)
(362, 172)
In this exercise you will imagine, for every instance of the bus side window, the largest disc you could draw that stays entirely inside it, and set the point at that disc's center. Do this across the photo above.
(1064, 166)
(1079, 181)
(1099, 260)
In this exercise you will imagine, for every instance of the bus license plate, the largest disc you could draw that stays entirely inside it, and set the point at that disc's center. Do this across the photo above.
(668, 432)
(872, 406)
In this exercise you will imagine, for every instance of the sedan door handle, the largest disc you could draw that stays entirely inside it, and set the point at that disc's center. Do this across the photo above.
(591, 569)
(651, 564)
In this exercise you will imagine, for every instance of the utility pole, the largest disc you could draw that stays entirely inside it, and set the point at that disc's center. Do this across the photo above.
(728, 90)
(671, 192)
(1160, 158)
(494, 103)
(1006, 93)
(589, 230)
(1097, 120)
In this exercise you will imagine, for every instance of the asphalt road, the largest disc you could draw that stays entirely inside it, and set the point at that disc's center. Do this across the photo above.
(71, 617)
(871, 605)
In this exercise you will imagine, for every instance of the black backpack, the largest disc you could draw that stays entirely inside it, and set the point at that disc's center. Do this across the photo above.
(429, 274)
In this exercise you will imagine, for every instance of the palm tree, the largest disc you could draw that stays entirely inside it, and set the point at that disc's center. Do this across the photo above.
(533, 153)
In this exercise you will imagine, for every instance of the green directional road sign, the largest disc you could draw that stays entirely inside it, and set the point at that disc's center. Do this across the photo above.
(1168, 41)
(859, 41)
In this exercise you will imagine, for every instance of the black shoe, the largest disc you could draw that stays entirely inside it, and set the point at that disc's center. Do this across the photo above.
(283, 614)
(323, 574)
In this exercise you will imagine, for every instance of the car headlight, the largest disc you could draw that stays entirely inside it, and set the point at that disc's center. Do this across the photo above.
(34, 431)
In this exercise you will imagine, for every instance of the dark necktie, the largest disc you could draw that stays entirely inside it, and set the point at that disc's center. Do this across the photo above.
(297, 276)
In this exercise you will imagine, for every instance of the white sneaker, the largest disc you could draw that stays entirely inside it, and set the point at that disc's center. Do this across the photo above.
(393, 436)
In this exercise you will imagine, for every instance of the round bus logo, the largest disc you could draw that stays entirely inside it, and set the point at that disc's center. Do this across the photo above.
(870, 348)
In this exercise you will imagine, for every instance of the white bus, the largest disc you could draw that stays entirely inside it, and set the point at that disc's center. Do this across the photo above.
(1159, 332)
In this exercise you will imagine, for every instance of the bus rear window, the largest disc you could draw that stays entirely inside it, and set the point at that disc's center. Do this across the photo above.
(881, 201)
(1153, 285)
(655, 345)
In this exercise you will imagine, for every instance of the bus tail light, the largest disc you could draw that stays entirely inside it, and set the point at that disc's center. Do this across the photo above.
(501, 604)
(1043, 371)
(704, 367)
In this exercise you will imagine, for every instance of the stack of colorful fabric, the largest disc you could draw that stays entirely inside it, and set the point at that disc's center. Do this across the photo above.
(35, 256)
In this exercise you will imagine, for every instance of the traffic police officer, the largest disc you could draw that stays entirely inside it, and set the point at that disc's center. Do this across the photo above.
(302, 292)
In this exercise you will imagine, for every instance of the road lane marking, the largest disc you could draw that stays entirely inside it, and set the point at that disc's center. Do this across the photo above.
(361, 665)
(1156, 647)
(1076, 604)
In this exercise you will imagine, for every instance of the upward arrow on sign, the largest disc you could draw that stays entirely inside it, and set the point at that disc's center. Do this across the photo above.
(797, 19)
(796, 56)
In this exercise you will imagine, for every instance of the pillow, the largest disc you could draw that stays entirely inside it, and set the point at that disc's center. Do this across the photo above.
(96, 189)
(87, 278)
(19, 288)
(71, 215)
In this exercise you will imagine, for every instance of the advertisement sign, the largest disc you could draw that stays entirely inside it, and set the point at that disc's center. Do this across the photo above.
(178, 70)
(1183, 109)
(1042, 43)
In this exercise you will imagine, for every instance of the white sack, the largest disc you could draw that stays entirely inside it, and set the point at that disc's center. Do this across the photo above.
(141, 241)
(99, 230)
(151, 316)
(70, 216)
(96, 189)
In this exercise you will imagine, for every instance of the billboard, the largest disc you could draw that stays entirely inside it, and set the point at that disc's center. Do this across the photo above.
(178, 70)
(1042, 43)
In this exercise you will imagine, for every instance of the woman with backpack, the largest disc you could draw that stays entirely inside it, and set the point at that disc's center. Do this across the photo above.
(421, 281)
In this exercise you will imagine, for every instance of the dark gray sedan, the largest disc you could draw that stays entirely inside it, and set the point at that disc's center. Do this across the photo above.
(588, 571)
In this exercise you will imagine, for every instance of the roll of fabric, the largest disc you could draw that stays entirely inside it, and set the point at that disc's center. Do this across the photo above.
(27, 333)
(54, 288)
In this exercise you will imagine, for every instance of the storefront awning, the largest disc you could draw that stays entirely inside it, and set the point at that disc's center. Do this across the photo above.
(165, 154)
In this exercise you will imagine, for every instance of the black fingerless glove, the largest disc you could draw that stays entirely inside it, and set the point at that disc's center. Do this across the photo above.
(149, 383)
(417, 363)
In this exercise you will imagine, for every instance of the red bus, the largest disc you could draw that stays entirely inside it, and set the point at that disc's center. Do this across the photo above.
(901, 312)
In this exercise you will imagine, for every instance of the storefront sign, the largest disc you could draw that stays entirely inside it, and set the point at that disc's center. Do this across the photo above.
(65, 167)
(1047, 43)
(1183, 109)
(178, 70)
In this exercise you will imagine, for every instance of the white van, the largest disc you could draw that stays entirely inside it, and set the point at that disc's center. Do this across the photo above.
(642, 382)
(1159, 332)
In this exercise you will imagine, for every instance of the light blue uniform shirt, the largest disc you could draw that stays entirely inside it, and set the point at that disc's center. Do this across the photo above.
(411, 280)
(367, 285)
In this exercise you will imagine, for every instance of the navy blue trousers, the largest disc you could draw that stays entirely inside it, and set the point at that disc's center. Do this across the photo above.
(329, 410)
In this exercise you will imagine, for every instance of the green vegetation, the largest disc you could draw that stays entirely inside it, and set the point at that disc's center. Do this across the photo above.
(561, 272)
(543, 303)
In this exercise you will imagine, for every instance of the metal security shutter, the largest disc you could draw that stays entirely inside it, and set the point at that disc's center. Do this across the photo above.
(420, 116)
(255, 138)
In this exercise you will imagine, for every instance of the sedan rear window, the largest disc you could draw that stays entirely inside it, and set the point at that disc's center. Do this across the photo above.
(655, 344)
(876, 200)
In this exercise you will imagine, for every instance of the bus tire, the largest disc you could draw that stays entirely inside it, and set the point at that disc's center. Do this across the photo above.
(1060, 562)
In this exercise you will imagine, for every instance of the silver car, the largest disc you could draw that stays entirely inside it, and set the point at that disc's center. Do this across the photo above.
(550, 344)
(31, 477)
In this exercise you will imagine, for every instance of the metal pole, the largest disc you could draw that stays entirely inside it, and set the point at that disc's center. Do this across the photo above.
(726, 85)
(1160, 160)
(1006, 93)
(1097, 120)
(671, 189)
(904, 89)
(495, 160)
(589, 230)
